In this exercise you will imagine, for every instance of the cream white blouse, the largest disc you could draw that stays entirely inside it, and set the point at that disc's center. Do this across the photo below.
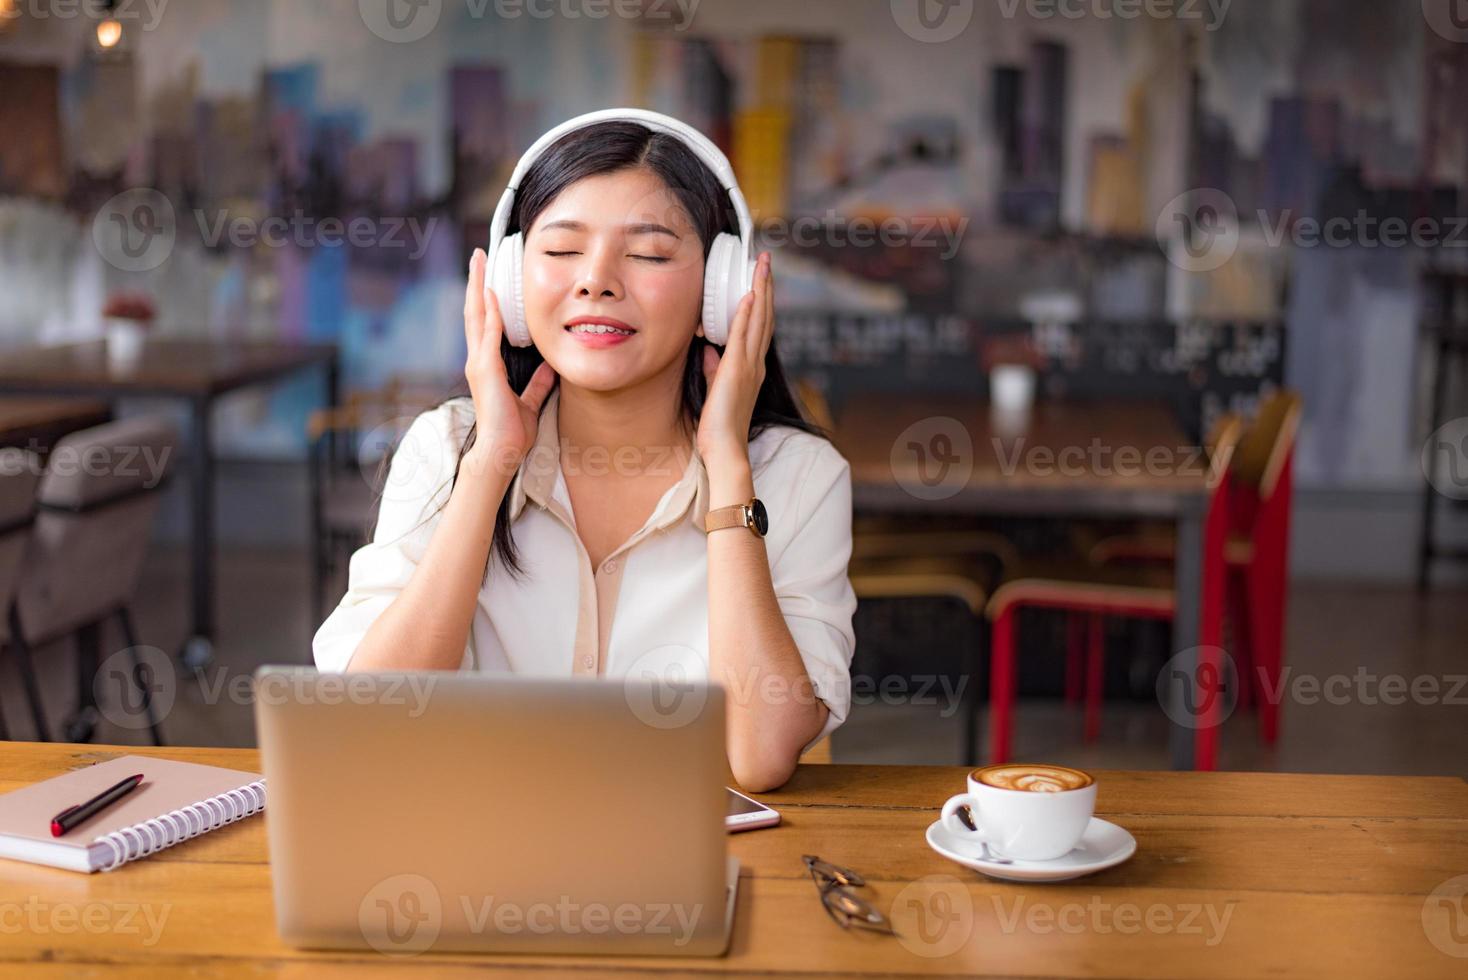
(647, 605)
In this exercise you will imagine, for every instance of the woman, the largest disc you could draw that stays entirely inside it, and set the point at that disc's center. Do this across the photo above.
(560, 530)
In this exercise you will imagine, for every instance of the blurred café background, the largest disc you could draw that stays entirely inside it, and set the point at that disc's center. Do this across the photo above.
(1141, 323)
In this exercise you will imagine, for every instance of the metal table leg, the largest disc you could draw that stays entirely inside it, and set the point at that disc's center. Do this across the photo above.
(199, 648)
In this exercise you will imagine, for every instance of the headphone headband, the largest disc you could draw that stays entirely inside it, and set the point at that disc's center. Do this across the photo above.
(700, 144)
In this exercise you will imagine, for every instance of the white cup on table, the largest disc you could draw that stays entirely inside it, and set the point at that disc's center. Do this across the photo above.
(1028, 812)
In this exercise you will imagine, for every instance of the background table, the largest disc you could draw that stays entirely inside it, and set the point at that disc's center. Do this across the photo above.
(33, 422)
(1317, 875)
(194, 371)
(876, 433)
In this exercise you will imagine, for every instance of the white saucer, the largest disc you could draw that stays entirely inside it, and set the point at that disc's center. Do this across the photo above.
(1103, 845)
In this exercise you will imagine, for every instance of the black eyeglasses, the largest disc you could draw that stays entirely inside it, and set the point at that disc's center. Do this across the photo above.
(841, 904)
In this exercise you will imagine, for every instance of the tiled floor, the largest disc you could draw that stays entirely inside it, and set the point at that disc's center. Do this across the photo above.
(1348, 639)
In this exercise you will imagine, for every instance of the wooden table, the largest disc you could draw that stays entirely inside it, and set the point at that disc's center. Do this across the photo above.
(37, 423)
(1101, 459)
(196, 372)
(1301, 875)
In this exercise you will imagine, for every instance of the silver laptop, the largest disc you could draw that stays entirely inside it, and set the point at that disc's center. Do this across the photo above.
(421, 812)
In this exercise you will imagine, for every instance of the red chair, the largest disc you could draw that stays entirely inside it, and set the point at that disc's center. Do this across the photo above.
(1256, 552)
(1100, 591)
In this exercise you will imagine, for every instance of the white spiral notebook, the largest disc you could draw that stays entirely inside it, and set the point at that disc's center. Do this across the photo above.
(175, 802)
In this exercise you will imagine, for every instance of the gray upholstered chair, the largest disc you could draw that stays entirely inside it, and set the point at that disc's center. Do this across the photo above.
(97, 501)
(20, 474)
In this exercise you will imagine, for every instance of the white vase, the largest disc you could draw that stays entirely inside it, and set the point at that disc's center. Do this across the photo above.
(125, 338)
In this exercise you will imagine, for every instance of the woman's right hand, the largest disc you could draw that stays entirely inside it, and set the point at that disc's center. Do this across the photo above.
(506, 423)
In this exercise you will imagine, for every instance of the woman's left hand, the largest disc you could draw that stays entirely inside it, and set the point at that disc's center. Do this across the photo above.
(735, 377)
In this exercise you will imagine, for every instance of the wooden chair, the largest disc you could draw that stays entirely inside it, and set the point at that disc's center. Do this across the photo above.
(1095, 592)
(1256, 552)
(906, 573)
(908, 557)
(345, 474)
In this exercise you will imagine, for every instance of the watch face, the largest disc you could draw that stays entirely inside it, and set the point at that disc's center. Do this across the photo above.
(761, 519)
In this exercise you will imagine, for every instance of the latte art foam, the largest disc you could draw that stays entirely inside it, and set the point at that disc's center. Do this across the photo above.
(1034, 779)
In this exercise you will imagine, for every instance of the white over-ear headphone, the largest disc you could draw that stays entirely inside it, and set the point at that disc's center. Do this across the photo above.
(728, 274)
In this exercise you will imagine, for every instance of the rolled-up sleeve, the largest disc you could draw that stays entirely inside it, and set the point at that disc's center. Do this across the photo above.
(812, 585)
(418, 484)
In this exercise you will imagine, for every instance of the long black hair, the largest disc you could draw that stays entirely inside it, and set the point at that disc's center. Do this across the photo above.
(611, 147)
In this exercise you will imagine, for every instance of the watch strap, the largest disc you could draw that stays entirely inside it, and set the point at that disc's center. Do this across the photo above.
(735, 515)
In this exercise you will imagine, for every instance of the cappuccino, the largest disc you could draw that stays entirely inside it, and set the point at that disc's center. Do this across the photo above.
(1033, 778)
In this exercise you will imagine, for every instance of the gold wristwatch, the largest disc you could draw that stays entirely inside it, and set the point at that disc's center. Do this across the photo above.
(751, 515)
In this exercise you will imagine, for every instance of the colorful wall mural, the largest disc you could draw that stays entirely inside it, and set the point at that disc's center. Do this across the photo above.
(320, 171)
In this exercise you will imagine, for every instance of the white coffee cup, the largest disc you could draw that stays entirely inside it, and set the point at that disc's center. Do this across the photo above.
(1028, 812)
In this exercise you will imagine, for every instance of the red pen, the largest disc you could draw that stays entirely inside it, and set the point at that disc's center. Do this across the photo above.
(73, 815)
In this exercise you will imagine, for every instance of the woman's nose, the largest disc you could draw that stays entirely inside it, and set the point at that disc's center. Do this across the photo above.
(598, 278)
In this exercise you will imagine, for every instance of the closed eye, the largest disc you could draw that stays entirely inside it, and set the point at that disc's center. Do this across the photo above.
(650, 258)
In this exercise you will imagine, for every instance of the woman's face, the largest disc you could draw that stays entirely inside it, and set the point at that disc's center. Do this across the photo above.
(616, 246)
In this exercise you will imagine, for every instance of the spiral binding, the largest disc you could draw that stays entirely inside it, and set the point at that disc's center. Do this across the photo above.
(176, 826)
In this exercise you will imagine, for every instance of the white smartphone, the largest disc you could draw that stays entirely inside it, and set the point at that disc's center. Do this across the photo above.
(747, 814)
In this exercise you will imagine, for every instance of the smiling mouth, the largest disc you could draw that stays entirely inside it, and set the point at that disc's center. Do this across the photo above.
(595, 329)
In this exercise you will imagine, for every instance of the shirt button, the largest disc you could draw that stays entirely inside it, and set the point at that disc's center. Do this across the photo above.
(588, 662)
(610, 566)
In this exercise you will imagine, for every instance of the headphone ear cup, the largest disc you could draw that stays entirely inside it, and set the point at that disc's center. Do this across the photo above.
(506, 278)
(724, 285)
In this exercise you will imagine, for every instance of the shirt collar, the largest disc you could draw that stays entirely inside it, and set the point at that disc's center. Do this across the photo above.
(536, 478)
